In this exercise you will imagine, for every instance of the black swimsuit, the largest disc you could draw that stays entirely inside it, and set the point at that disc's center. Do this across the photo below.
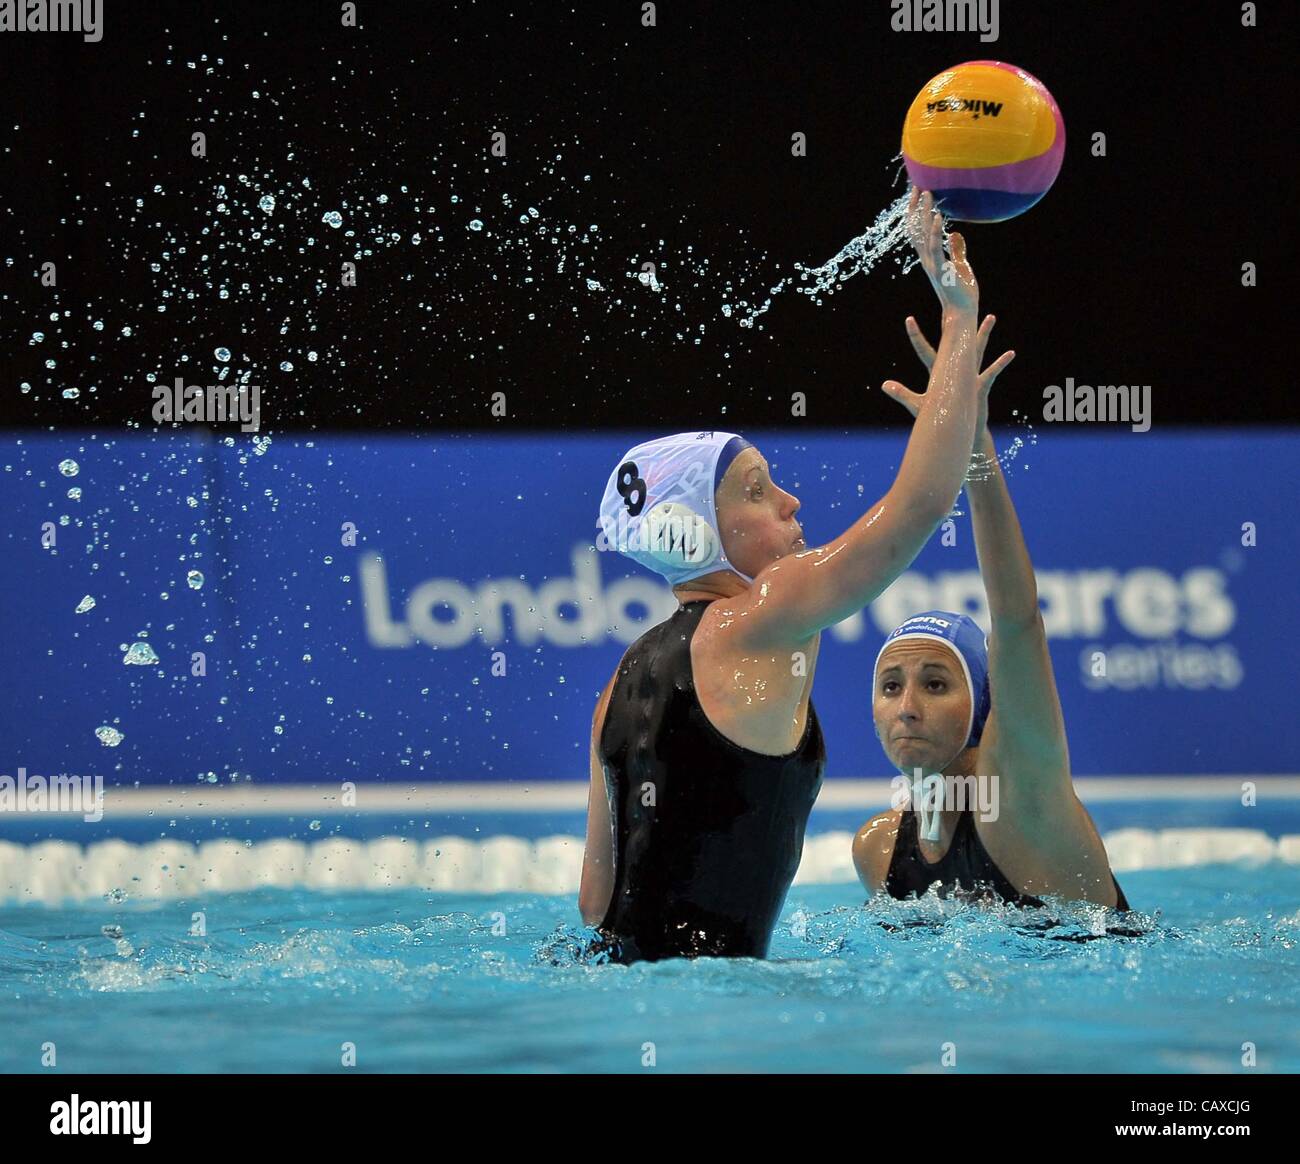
(966, 870)
(707, 834)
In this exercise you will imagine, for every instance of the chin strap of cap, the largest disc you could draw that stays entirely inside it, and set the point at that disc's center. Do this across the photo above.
(927, 803)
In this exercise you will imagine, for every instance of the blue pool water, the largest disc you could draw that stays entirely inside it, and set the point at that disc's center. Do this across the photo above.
(426, 982)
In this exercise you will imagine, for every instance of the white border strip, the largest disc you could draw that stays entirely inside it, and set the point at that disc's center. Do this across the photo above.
(320, 800)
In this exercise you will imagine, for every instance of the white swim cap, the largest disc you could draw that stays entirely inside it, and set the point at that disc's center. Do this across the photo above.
(659, 507)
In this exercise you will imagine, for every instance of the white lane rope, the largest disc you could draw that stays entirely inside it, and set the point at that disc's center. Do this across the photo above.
(53, 872)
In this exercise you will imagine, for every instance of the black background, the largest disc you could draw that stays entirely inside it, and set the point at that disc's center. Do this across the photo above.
(1129, 271)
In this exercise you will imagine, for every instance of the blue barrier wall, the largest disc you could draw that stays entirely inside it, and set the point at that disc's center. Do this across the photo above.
(326, 661)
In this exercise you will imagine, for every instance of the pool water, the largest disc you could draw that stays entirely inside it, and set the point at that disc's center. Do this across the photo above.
(418, 981)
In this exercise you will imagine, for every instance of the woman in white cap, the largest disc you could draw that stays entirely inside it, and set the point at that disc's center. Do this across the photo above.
(706, 754)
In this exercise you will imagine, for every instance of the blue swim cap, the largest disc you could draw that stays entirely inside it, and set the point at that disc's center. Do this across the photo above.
(962, 635)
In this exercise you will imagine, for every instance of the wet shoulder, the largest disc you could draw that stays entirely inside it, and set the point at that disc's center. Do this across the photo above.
(873, 848)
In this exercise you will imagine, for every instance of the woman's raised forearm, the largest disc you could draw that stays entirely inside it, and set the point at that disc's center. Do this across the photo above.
(1005, 567)
(935, 460)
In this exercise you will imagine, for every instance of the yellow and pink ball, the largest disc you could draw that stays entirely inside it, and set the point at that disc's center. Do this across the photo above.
(986, 139)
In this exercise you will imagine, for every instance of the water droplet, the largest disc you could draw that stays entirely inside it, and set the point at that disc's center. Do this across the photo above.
(267, 203)
(87, 603)
(476, 224)
(195, 580)
(333, 218)
(223, 354)
(140, 654)
(110, 737)
(69, 468)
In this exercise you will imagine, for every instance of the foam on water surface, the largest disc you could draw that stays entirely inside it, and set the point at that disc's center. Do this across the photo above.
(276, 980)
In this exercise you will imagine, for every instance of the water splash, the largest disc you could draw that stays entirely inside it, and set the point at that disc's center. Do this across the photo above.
(982, 468)
(140, 654)
(888, 234)
(110, 737)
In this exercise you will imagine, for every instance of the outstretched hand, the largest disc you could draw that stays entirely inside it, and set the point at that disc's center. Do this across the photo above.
(952, 279)
(912, 400)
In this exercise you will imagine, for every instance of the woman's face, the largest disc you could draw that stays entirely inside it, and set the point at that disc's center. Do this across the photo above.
(755, 515)
(921, 706)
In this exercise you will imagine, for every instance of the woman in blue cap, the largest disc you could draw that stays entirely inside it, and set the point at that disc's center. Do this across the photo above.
(967, 716)
(706, 753)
